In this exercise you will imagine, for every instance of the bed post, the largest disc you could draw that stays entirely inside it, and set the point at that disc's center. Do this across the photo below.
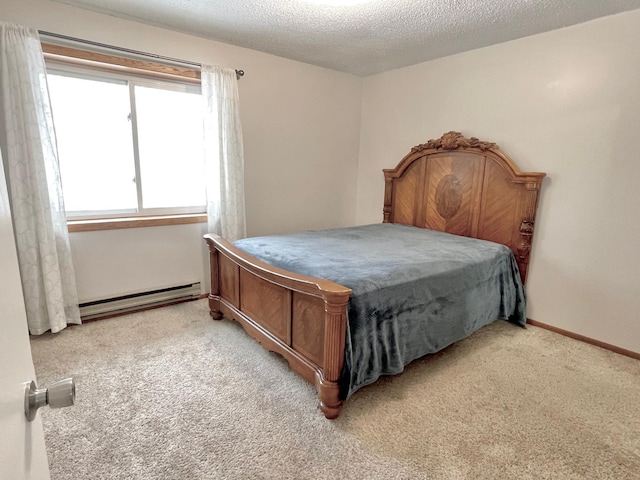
(335, 326)
(214, 296)
(526, 227)
(388, 198)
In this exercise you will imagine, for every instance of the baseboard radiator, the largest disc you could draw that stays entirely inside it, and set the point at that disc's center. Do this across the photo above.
(139, 301)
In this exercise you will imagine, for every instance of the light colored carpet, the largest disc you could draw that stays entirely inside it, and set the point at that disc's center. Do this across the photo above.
(171, 394)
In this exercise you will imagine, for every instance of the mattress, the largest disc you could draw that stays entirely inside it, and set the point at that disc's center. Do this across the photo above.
(415, 290)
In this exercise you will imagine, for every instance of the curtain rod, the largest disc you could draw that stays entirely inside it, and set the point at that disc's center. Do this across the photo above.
(239, 73)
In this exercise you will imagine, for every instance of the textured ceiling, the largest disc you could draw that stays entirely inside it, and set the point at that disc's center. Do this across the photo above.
(365, 38)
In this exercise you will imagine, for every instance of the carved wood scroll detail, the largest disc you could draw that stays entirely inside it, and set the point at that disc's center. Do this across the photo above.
(526, 227)
(526, 232)
(454, 141)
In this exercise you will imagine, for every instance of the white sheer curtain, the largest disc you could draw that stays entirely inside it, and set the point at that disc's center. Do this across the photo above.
(27, 141)
(224, 158)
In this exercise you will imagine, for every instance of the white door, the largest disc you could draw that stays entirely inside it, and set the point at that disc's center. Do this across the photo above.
(22, 449)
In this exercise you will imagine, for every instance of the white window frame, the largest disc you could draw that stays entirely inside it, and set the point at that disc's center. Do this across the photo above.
(76, 62)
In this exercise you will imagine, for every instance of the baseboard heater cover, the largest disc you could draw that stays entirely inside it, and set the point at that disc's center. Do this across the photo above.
(140, 300)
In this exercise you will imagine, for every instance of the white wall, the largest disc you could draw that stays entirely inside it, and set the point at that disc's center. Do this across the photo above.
(116, 262)
(301, 130)
(566, 103)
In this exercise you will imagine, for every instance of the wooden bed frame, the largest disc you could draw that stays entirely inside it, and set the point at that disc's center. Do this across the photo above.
(453, 184)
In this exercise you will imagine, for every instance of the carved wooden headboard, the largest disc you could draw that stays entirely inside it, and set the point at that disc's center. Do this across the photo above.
(466, 187)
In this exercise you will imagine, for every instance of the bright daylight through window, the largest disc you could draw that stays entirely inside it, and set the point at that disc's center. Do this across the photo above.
(127, 146)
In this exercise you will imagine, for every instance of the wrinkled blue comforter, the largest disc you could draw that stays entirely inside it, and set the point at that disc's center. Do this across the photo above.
(415, 291)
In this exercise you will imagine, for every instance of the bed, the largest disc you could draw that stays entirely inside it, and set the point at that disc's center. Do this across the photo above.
(346, 306)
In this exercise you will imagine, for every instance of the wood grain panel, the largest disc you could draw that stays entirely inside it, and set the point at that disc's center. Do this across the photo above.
(453, 189)
(307, 335)
(500, 206)
(404, 195)
(267, 304)
(229, 281)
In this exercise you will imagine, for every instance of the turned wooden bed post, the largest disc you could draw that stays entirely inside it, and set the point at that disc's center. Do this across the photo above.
(335, 327)
(214, 295)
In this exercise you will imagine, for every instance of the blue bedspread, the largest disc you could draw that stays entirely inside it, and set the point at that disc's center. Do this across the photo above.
(415, 291)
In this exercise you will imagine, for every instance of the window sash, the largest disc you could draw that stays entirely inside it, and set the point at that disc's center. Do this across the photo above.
(92, 65)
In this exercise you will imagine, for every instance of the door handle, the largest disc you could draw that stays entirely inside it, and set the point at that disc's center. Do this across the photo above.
(57, 395)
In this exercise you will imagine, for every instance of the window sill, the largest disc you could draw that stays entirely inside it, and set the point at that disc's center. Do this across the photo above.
(133, 222)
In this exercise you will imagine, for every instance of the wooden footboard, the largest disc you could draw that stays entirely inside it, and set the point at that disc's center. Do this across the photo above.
(302, 318)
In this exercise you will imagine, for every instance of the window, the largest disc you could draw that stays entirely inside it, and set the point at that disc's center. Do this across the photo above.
(128, 145)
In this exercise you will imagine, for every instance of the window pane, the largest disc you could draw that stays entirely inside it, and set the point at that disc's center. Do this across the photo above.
(170, 148)
(94, 143)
